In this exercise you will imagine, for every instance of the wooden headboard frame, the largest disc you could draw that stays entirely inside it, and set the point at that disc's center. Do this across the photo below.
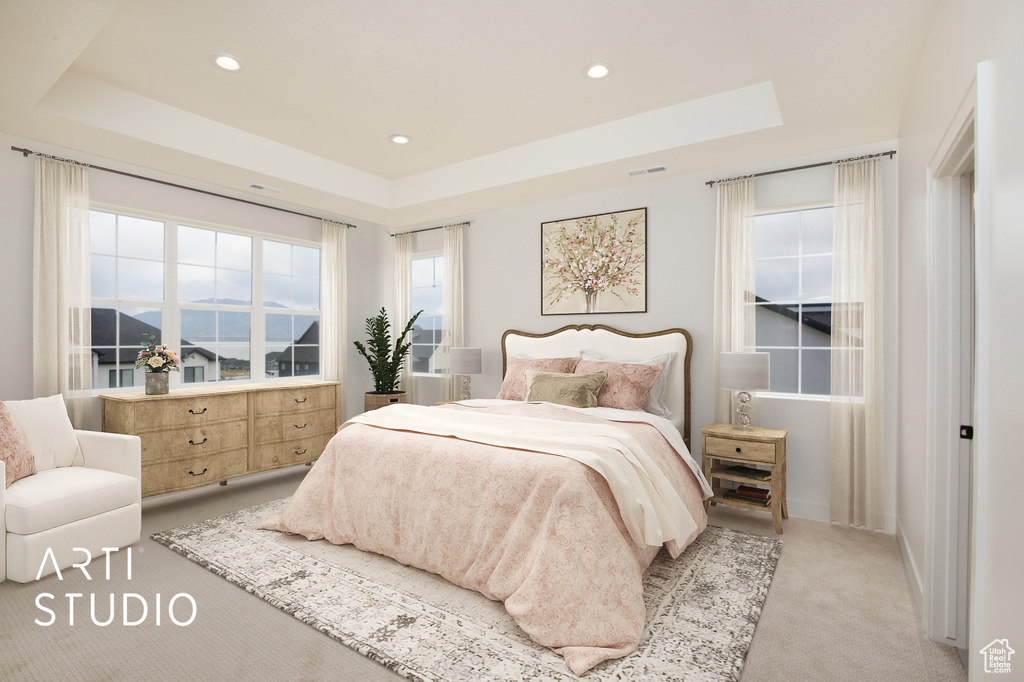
(579, 327)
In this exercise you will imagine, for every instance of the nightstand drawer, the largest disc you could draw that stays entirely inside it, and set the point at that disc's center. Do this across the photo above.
(744, 450)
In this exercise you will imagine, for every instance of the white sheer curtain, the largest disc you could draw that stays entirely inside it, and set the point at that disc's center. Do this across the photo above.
(403, 303)
(857, 419)
(61, 309)
(334, 307)
(734, 280)
(452, 335)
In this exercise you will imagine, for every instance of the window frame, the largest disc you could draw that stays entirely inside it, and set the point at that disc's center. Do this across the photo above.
(799, 347)
(424, 255)
(170, 310)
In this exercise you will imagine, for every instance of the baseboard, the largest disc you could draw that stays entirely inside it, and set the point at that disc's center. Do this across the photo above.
(817, 511)
(913, 575)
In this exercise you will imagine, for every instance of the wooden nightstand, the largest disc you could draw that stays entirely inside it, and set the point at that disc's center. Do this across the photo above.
(726, 445)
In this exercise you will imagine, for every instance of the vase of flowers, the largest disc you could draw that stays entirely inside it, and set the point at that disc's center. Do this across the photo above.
(158, 361)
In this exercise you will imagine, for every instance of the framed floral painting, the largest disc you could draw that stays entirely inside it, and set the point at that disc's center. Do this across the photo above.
(595, 264)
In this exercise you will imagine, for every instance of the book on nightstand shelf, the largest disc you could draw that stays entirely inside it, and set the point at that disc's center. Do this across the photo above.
(750, 472)
(750, 499)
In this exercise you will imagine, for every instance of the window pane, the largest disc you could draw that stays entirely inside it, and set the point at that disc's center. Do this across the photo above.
(777, 280)
(234, 251)
(277, 291)
(103, 233)
(199, 326)
(140, 238)
(421, 358)
(127, 377)
(776, 325)
(307, 329)
(817, 321)
(783, 369)
(278, 360)
(776, 234)
(137, 324)
(277, 258)
(196, 246)
(421, 299)
(233, 363)
(305, 261)
(200, 360)
(816, 230)
(233, 327)
(422, 272)
(305, 293)
(196, 284)
(104, 270)
(817, 279)
(816, 376)
(307, 360)
(279, 328)
(234, 287)
(140, 279)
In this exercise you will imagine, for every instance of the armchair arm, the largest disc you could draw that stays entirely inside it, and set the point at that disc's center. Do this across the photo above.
(111, 452)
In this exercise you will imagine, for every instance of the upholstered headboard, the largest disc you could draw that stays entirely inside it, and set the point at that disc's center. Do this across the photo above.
(614, 345)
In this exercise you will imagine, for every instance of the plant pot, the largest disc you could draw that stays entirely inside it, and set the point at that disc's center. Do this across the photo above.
(156, 383)
(372, 401)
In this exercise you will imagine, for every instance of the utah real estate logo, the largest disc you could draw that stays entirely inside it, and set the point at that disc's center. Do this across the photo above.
(997, 656)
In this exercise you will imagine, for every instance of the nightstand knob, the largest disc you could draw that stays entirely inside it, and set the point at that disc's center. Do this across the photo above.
(738, 450)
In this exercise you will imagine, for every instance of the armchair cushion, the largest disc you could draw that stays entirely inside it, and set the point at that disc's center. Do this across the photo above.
(44, 423)
(14, 450)
(55, 497)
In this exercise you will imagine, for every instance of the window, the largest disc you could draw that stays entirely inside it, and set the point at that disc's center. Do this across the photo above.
(793, 294)
(199, 290)
(427, 284)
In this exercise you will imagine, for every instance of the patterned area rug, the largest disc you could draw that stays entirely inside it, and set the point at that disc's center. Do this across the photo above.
(701, 608)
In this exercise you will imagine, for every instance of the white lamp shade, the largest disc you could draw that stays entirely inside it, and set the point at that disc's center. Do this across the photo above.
(464, 361)
(744, 371)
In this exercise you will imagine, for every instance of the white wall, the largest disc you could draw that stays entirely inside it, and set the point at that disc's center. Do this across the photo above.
(502, 283)
(367, 244)
(967, 34)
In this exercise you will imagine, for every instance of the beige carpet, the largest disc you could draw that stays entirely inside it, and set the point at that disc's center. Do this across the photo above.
(839, 608)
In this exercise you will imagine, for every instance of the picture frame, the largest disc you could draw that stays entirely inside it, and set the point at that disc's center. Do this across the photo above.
(595, 264)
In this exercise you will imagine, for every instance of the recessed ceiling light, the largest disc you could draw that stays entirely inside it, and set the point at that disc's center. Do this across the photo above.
(401, 139)
(227, 62)
(597, 70)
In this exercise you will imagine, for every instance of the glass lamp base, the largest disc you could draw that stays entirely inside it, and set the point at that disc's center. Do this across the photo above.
(744, 411)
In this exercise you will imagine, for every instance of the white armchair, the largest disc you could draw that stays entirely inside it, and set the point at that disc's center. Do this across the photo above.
(95, 503)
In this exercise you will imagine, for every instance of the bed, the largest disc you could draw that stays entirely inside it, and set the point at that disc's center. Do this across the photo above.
(554, 511)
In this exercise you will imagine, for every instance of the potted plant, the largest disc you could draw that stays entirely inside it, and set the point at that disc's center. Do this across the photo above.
(158, 362)
(385, 360)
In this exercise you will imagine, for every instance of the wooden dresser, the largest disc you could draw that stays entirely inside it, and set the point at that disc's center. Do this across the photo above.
(197, 436)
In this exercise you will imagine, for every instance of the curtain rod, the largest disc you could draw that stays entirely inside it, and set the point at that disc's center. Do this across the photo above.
(27, 152)
(890, 154)
(428, 229)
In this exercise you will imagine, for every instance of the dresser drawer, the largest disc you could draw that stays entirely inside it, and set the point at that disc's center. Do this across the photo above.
(743, 450)
(288, 452)
(189, 473)
(294, 399)
(191, 441)
(274, 428)
(188, 411)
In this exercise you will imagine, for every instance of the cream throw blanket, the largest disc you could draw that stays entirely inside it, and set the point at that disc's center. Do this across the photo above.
(651, 508)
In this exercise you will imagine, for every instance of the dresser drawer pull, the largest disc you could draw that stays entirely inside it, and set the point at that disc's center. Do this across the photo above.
(203, 411)
(300, 401)
(192, 473)
(739, 450)
(303, 451)
(303, 426)
(192, 442)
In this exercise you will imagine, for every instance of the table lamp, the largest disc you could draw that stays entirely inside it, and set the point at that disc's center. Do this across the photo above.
(463, 362)
(744, 372)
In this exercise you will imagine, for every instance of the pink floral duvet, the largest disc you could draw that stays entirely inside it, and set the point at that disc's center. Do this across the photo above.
(539, 532)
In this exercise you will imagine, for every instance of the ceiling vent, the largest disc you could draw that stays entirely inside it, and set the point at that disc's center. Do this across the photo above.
(646, 171)
(264, 188)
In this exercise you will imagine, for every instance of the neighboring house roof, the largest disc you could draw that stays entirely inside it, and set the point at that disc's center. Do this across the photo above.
(104, 333)
(306, 348)
(819, 320)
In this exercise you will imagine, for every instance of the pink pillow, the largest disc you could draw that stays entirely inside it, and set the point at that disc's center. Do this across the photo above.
(514, 385)
(14, 450)
(627, 385)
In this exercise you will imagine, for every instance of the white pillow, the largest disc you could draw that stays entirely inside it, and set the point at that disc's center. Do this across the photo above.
(656, 398)
(44, 423)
